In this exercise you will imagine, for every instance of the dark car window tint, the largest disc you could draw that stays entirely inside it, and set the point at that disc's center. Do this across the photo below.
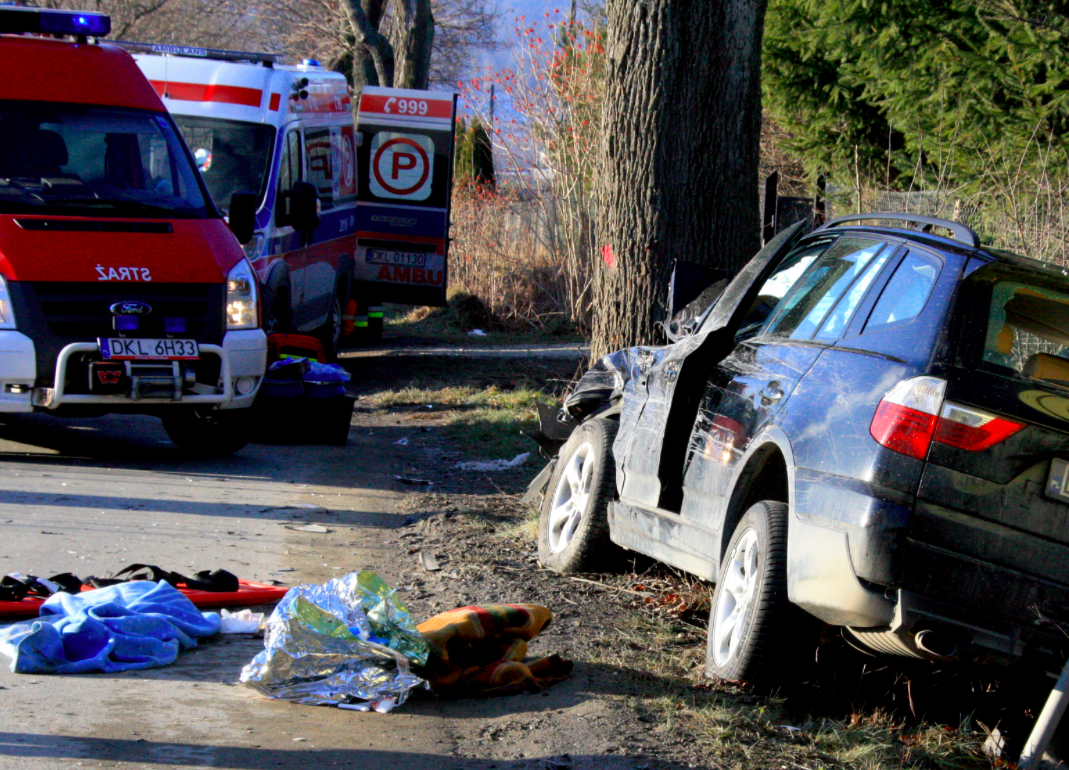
(813, 298)
(906, 293)
(1028, 331)
(776, 287)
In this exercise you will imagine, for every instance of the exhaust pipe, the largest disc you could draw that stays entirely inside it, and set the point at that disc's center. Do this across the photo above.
(937, 643)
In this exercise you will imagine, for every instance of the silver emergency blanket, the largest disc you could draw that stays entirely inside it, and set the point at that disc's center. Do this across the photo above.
(348, 641)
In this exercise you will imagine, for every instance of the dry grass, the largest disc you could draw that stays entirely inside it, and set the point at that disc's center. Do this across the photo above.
(485, 422)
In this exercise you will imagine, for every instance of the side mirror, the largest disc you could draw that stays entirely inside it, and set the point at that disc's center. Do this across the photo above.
(692, 290)
(303, 199)
(242, 216)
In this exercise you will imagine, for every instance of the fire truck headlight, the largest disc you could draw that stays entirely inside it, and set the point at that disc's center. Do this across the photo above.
(242, 305)
(7, 313)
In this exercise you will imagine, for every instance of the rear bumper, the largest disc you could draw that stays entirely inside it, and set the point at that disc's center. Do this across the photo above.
(241, 357)
(843, 536)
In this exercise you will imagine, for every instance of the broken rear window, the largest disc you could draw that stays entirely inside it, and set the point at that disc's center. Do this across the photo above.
(1027, 330)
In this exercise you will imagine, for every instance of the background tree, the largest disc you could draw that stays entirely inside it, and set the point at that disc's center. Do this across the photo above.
(681, 129)
(208, 23)
(908, 92)
(459, 31)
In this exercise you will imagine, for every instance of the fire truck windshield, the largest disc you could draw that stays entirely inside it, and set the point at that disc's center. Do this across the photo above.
(89, 160)
(233, 156)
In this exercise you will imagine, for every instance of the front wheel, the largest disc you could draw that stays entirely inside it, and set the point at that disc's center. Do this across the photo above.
(573, 525)
(209, 432)
(752, 624)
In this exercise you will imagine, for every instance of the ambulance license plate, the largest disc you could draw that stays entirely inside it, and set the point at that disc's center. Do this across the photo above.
(404, 258)
(124, 349)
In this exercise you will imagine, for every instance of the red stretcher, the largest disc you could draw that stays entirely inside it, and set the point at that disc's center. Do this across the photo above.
(248, 594)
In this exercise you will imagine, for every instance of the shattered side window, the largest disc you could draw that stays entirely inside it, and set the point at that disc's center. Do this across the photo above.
(813, 298)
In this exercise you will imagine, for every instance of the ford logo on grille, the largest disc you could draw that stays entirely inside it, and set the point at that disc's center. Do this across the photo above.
(130, 307)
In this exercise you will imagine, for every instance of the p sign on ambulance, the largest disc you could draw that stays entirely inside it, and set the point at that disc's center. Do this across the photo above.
(402, 166)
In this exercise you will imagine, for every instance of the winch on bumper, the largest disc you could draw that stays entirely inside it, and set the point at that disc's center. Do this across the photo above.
(226, 376)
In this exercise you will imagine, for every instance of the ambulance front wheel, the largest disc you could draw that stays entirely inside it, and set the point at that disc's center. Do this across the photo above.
(209, 432)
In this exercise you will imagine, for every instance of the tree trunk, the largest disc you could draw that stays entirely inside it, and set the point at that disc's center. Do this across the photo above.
(680, 127)
(415, 28)
(373, 58)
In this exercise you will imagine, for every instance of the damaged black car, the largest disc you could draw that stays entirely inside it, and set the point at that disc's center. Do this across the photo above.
(867, 426)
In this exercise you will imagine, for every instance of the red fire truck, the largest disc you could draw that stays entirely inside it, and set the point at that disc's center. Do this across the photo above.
(122, 289)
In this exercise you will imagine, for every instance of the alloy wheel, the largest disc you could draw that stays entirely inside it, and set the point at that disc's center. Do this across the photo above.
(571, 497)
(735, 597)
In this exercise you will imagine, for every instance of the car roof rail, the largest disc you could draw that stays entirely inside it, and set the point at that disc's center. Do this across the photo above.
(267, 59)
(960, 232)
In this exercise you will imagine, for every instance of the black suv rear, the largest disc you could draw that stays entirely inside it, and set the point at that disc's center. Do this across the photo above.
(870, 423)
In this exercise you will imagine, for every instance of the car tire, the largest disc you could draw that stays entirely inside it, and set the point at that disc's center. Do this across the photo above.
(209, 432)
(330, 332)
(751, 628)
(573, 525)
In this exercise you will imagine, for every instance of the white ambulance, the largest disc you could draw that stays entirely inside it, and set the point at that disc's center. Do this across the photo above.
(348, 216)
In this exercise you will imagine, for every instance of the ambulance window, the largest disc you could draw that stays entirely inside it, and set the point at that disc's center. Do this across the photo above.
(289, 167)
(289, 172)
(317, 148)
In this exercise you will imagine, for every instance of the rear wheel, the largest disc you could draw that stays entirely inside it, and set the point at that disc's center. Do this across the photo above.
(209, 432)
(331, 331)
(751, 628)
(573, 527)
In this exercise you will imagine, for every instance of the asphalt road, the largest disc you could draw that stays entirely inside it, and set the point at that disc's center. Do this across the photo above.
(91, 496)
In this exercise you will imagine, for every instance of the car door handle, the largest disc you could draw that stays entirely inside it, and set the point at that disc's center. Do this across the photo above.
(770, 393)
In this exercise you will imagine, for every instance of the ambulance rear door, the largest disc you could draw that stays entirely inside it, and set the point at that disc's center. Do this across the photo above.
(405, 180)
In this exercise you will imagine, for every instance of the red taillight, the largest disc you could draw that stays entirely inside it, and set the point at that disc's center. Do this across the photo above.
(906, 417)
(972, 429)
(903, 429)
(912, 415)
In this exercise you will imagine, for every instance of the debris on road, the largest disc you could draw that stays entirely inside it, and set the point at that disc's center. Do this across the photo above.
(428, 561)
(317, 529)
(240, 622)
(403, 441)
(347, 641)
(494, 465)
(414, 482)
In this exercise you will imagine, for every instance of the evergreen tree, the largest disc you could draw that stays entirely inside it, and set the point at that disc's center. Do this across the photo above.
(482, 156)
(462, 154)
(899, 89)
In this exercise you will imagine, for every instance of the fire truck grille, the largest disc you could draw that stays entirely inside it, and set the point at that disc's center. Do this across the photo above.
(82, 311)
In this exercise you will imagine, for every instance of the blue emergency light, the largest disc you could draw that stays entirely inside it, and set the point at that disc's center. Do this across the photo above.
(48, 21)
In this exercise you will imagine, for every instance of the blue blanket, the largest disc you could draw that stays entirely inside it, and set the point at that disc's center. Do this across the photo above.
(128, 626)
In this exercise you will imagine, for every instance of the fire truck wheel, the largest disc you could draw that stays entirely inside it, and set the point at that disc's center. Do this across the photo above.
(209, 432)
